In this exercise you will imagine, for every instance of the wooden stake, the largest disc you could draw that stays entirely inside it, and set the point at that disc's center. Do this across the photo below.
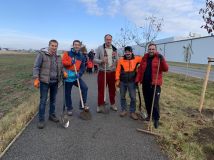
(205, 83)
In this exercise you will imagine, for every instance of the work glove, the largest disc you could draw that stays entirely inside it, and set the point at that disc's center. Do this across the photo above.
(160, 57)
(117, 83)
(65, 75)
(36, 83)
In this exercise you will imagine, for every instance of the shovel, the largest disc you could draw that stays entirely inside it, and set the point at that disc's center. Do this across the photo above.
(64, 116)
(85, 114)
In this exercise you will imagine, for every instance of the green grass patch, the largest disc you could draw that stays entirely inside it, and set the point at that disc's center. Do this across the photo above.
(191, 65)
(15, 80)
(181, 123)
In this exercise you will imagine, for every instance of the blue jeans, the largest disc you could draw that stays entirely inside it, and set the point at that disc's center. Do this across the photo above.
(68, 88)
(132, 94)
(44, 87)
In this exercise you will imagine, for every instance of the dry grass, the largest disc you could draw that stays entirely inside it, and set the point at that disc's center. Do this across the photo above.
(180, 120)
(15, 120)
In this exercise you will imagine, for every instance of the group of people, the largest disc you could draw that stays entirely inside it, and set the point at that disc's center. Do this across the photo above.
(126, 73)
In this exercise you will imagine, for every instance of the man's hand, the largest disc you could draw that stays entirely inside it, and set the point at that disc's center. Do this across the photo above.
(105, 60)
(65, 74)
(160, 57)
(117, 83)
(36, 83)
(136, 84)
(73, 61)
(77, 75)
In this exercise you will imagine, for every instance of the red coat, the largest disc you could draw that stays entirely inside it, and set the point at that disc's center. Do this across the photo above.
(163, 68)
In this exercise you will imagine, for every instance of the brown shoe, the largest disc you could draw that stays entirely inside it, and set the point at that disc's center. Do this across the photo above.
(123, 114)
(134, 116)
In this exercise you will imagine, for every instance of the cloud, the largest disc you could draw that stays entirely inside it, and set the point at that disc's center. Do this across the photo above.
(92, 7)
(113, 7)
(180, 17)
(20, 40)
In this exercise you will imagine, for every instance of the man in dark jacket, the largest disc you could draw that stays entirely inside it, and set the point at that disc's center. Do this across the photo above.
(147, 76)
(47, 72)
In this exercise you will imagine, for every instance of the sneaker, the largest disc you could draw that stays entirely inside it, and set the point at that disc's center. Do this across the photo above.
(101, 109)
(123, 114)
(41, 125)
(53, 118)
(69, 113)
(113, 107)
(156, 123)
(134, 116)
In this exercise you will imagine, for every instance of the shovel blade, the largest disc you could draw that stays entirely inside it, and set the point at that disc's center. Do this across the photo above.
(64, 120)
(85, 115)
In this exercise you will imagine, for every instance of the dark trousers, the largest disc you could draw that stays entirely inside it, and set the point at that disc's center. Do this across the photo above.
(44, 88)
(130, 86)
(148, 91)
(110, 82)
(68, 88)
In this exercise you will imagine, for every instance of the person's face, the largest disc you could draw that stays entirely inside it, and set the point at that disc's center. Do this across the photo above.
(108, 40)
(53, 47)
(77, 46)
(152, 49)
(128, 53)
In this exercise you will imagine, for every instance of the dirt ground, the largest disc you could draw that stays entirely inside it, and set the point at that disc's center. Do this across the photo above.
(205, 136)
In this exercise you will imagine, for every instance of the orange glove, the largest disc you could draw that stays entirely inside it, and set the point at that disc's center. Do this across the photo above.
(36, 83)
(65, 75)
(117, 83)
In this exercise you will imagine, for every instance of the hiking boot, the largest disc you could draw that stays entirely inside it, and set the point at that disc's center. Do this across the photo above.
(69, 113)
(156, 123)
(101, 109)
(123, 114)
(41, 124)
(134, 116)
(113, 107)
(53, 118)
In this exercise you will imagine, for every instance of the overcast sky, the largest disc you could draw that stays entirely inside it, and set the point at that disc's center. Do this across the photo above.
(32, 23)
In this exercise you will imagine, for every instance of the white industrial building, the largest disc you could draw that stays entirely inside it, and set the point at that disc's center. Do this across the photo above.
(173, 48)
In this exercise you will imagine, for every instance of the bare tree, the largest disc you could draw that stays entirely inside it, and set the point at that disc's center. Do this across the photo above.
(148, 32)
(187, 56)
(123, 38)
(208, 16)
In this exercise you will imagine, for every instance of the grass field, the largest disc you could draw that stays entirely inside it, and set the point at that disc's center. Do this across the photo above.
(18, 98)
(184, 133)
(16, 80)
(191, 65)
